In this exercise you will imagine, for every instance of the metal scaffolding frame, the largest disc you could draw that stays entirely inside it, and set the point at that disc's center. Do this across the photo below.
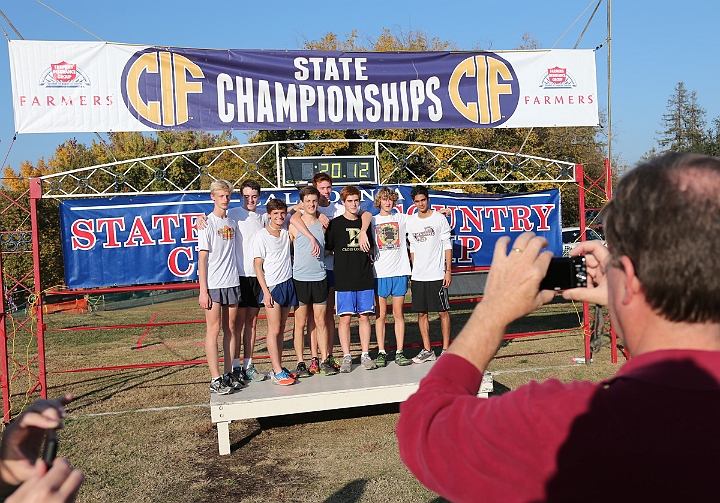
(398, 162)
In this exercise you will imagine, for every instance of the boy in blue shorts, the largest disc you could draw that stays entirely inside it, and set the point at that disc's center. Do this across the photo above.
(273, 267)
(392, 269)
(219, 286)
(354, 280)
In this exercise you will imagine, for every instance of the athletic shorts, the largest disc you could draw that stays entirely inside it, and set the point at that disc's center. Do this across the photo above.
(250, 291)
(283, 294)
(396, 286)
(362, 302)
(225, 296)
(330, 277)
(429, 296)
(311, 292)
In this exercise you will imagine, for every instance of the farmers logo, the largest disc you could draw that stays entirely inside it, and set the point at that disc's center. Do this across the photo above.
(156, 86)
(64, 74)
(484, 89)
(557, 78)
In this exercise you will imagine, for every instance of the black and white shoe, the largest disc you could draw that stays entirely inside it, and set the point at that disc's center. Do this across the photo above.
(233, 381)
(218, 386)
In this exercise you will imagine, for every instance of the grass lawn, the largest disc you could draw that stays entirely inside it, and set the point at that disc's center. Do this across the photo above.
(144, 434)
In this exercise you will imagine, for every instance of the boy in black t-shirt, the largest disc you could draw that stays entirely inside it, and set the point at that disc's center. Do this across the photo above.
(354, 279)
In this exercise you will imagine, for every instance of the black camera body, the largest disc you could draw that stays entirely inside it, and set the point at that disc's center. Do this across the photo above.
(564, 273)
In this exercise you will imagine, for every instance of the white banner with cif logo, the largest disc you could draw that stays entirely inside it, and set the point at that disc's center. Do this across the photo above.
(97, 86)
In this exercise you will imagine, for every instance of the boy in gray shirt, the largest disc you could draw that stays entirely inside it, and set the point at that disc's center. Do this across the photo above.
(311, 286)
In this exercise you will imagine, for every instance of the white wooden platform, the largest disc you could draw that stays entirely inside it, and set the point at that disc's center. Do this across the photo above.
(360, 387)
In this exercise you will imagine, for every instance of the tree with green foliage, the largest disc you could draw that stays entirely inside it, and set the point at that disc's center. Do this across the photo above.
(683, 122)
(711, 139)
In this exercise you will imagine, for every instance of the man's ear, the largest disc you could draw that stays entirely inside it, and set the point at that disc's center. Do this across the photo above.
(632, 286)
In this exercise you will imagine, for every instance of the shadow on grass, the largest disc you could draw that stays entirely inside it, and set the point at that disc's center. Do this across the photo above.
(246, 440)
(499, 389)
(351, 493)
(268, 423)
(107, 386)
(534, 353)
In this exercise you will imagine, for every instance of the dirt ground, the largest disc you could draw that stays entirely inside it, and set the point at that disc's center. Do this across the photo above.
(144, 434)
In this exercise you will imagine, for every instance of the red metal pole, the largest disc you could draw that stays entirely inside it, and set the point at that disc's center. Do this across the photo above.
(580, 179)
(608, 195)
(35, 195)
(4, 376)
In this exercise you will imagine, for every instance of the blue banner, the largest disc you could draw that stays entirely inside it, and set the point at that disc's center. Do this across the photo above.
(152, 239)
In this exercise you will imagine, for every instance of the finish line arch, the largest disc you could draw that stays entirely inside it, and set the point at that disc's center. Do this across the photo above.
(398, 162)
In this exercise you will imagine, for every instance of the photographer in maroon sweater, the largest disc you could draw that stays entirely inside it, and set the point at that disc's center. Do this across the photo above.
(652, 432)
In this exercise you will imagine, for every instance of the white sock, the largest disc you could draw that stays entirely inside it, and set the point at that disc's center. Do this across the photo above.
(347, 355)
(382, 352)
(365, 353)
(246, 363)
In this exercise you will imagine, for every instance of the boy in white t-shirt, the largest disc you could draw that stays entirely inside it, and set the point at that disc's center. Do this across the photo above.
(250, 219)
(431, 256)
(273, 267)
(392, 269)
(219, 286)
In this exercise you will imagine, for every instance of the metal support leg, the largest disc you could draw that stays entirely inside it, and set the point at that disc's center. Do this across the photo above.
(224, 438)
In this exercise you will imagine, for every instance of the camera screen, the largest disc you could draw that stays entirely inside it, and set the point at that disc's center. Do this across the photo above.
(564, 273)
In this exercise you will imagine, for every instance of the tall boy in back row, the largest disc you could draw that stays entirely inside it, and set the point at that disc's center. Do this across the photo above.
(431, 256)
(250, 220)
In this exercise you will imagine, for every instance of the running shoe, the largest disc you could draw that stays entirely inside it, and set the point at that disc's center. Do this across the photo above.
(301, 370)
(327, 369)
(346, 366)
(401, 359)
(367, 362)
(218, 386)
(240, 374)
(333, 362)
(314, 366)
(291, 373)
(282, 378)
(231, 380)
(381, 359)
(254, 374)
(424, 356)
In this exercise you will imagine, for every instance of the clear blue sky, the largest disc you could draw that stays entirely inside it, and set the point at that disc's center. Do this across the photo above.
(655, 43)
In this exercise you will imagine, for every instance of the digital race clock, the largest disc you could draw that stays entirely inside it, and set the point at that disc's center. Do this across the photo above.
(347, 170)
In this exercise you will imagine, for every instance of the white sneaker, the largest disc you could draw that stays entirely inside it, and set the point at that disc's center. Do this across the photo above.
(367, 362)
(346, 365)
(424, 356)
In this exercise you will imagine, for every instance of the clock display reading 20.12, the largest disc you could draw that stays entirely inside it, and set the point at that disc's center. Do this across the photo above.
(346, 170)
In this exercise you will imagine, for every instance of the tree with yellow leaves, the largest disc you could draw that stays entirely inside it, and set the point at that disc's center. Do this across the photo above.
(15, 201)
